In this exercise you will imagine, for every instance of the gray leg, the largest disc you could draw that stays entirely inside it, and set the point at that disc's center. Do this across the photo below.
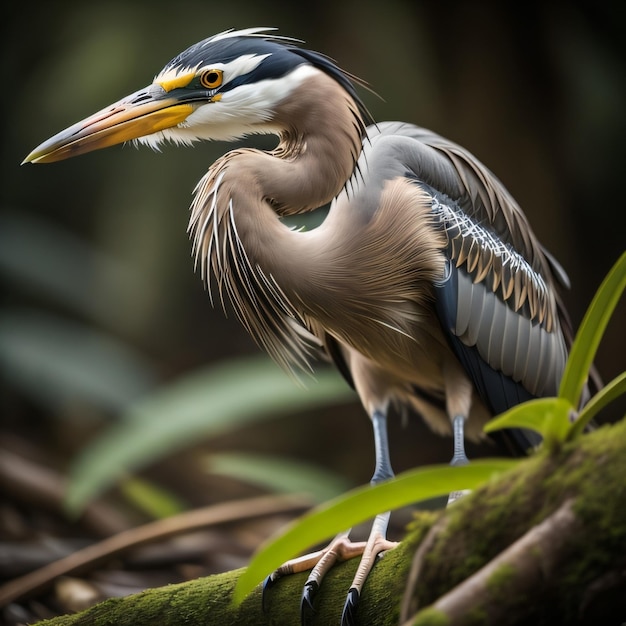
(459, 457)
(383, 469)
(377, 542)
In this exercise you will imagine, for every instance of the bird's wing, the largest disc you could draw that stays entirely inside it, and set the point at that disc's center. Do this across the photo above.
(498, 302)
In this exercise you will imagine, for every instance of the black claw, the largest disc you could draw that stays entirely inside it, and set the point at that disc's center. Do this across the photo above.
(306, 602)
(348, 617)
(267, 584)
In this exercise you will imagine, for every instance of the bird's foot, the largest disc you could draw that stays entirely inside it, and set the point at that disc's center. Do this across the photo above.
(307, 610)
(321, 562)
(340, 549)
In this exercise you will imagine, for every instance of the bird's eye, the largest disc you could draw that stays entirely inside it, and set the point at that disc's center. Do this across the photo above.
(211, 79)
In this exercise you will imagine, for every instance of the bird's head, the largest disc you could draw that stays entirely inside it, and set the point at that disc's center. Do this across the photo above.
(222, 88)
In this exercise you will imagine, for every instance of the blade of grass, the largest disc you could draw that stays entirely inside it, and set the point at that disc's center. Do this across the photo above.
(157, 502)
(279, 474)
(603, 398)
(362, 504)
(206, 403)
(547, 416)
(55, 360)
(590, 332)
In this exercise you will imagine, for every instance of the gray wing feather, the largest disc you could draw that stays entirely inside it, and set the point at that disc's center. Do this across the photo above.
(505, 304)
(507, 340)
(520, 352)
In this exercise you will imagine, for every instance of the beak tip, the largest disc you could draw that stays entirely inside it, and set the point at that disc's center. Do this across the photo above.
(34, 156)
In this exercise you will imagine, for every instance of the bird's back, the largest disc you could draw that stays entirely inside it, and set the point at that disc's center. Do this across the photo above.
(496, 301)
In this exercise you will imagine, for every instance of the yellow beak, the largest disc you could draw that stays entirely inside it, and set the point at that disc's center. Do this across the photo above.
(142, 113)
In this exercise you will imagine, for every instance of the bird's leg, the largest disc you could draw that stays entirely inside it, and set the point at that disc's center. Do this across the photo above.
(341, 548)
(377, 542)
(459, 393)
(459, 457)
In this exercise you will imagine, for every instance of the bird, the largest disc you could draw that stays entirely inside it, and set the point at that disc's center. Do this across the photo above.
(424, 284)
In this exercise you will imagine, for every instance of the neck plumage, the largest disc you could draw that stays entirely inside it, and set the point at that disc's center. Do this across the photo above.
(235, 226)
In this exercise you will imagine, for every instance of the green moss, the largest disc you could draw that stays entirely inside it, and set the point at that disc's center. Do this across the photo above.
(500, 579)
(490, 519)
(381, 593)
(431, 617)
(591, 463)
(478, 616)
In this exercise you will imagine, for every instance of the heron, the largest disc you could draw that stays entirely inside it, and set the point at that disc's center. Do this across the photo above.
(424, 284)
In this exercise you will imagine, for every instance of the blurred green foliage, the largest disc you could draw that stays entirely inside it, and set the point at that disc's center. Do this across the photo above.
(203, 404)
(101, 306)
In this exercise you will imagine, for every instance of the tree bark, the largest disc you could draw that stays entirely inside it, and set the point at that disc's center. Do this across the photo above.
(543, 544)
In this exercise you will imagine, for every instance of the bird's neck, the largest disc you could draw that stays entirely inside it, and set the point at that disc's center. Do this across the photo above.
(321, 133)
(235, 226)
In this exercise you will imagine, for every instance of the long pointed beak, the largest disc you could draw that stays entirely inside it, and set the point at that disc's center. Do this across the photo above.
(145, 112)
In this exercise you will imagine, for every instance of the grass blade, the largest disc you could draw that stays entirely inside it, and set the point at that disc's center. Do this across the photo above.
(55, 360)
(362, 504)
(279, 474)
(590, 332)
(603, 398)
(547, 416)
(206, 403)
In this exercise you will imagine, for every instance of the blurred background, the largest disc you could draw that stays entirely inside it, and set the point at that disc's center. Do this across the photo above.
(101, 307)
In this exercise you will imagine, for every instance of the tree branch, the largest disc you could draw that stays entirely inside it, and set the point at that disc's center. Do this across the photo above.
(544, 543)
(526, 565)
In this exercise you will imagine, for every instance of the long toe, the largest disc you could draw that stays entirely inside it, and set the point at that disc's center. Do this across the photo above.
(321, 562)
(294, 566)
(348, 617)
(376, 546)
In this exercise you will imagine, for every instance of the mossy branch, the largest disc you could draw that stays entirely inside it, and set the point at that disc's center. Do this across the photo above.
(545, 543)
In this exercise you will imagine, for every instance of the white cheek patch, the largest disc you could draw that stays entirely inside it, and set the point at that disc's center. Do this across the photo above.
(265, 94)
(244, 110)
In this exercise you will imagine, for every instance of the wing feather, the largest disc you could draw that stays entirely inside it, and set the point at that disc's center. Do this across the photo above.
(499, 304)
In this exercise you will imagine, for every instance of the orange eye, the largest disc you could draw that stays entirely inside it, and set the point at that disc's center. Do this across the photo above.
(211, 79)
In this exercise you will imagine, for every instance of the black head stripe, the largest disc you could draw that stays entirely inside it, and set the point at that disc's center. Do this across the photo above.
(282, 57)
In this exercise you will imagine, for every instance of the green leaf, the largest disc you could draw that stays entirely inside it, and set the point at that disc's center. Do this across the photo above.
(590, 332)
(603, 398)
(203, 404)
(550, 417)
(55, 361)
(362, 504)
(153, 500)
(279, 474)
